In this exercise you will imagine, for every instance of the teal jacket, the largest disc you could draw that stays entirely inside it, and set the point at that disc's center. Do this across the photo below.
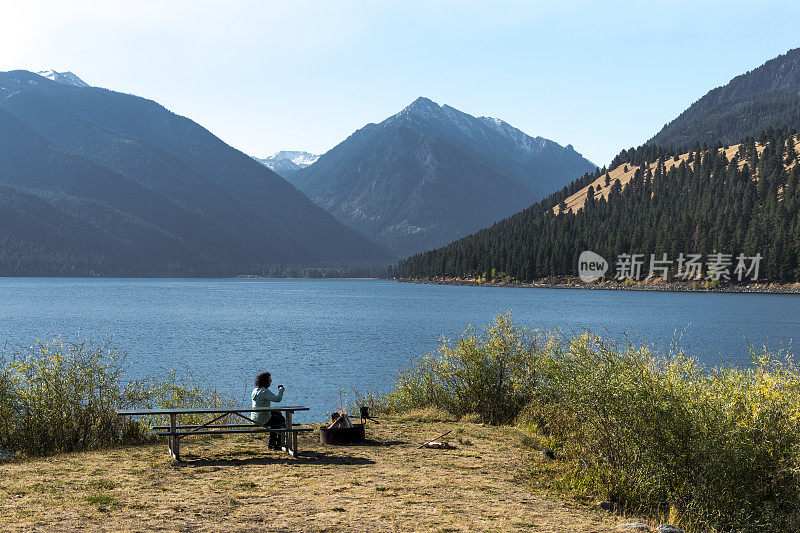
(262, 397)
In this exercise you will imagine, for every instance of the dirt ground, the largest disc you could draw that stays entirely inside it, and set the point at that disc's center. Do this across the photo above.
(234, 483)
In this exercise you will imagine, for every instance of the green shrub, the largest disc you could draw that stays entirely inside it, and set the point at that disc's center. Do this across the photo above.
(718, 449)
(61, 396)
(489, 373)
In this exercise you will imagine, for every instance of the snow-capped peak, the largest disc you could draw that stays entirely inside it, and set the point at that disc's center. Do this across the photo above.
(524, 142)
(288, 160)
(298, 157)
(478, 129)
(65, 78)
(422, 105)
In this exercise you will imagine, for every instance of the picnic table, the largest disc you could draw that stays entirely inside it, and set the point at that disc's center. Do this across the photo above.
(175, 431)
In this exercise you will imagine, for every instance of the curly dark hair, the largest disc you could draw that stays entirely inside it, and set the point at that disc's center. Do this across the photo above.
(263, 380)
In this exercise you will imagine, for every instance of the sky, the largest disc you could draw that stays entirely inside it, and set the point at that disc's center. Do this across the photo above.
(267, 76)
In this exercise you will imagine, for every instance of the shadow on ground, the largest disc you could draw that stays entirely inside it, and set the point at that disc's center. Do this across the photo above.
(249, 458)
(338, 455)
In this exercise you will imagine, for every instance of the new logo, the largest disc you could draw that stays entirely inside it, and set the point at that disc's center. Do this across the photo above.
(591, 266)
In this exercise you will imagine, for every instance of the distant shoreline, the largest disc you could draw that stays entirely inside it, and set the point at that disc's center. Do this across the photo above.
(574, 283)
(36, 276)
(292, 277)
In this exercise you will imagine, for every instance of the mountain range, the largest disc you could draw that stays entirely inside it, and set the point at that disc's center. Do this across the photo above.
(431, 174)
(96, 182)
(736, 190)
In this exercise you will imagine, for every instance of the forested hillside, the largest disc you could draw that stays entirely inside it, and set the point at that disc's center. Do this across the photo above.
(750, 103)
(745, 200)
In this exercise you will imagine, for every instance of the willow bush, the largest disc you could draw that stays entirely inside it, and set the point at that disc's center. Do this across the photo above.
(58, 396)
(489, 373)
(717, 448)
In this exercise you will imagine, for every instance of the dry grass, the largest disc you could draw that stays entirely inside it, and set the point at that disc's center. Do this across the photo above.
(234, 483)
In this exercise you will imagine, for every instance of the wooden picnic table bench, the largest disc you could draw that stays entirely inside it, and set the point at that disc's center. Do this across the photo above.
(175, 432)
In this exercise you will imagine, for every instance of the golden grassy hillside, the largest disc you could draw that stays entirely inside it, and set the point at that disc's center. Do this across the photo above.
(577, 200)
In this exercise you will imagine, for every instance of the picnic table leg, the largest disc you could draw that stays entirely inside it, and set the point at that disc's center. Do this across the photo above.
(287, 436)
(169, 438)
(174, 442)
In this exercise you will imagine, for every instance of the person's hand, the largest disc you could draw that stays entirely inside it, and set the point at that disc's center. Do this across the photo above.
(280, 387)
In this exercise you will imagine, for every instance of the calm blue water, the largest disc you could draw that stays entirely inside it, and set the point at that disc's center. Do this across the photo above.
(318, 337)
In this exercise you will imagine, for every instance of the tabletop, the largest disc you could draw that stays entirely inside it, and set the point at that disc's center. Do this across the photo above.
(205, 410)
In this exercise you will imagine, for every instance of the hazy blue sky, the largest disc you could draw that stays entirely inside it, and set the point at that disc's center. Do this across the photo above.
(266, 76)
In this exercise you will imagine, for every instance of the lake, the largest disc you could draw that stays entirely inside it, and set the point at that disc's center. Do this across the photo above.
(319, 337)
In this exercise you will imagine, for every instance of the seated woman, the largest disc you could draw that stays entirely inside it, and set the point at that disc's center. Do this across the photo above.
(263, 397)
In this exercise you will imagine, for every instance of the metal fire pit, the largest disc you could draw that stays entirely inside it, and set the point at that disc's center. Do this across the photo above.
(339, 436)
